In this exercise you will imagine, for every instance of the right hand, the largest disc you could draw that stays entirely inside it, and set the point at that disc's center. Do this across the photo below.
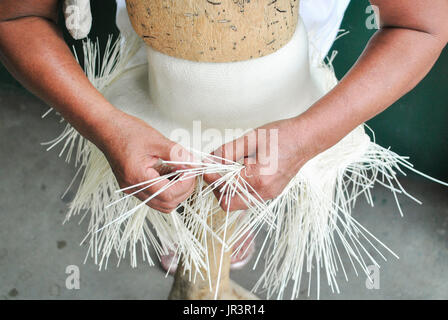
(133, 148)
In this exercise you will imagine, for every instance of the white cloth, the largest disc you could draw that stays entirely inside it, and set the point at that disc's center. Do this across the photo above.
(322, 19)
(122, 19)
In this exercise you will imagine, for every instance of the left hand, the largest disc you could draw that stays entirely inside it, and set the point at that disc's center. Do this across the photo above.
(272, 155)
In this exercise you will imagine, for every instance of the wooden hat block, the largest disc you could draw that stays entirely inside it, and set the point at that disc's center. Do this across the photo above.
(214, 30)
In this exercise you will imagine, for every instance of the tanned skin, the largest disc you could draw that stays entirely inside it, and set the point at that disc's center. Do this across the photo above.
(413, 33)
(33, 50)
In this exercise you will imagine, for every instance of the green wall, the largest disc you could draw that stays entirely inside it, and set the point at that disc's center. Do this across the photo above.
(415, 126)
(103, 25)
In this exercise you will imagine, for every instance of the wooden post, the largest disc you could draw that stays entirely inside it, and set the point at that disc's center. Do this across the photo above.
(184, 289)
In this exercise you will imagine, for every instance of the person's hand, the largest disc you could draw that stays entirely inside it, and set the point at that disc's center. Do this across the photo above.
(272, 155)
(133, 150)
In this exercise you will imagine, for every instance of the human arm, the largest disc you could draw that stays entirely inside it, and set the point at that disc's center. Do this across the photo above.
(33, 50)
(411, 38)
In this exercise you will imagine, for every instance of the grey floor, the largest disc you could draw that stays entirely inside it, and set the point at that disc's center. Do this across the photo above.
(35, 248)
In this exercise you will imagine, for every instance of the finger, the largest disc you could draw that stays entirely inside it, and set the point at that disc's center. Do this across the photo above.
(158, 204)
(253, 182)
(158, 192)
(181, 159)
(168, 191)
(231, 204)
(251, 172)
(237, 149)
(143, 195)
(211, 178)
(155, 204)
(183, 187)
(180, 155)
(256, 185)
(263, 186)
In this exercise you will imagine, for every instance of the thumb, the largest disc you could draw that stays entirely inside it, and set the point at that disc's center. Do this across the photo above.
(176, 153)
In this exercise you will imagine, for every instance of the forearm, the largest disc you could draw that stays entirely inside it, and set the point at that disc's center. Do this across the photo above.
(394, 62)
(33, 50)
